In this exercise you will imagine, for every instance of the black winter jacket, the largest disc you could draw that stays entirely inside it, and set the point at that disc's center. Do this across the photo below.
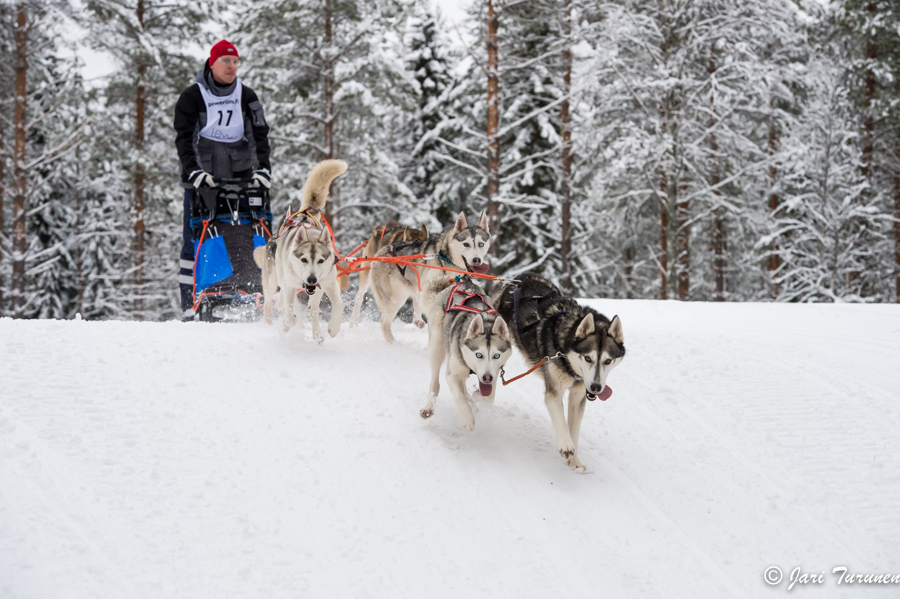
(190, 118)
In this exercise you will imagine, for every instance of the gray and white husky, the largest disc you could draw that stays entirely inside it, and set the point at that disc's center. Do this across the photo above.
(462, 247)
(465, 330)
(301, 255)
(582, 344)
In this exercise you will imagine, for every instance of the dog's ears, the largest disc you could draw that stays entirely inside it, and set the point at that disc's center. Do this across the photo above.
(586, 327)
(483, 222)
(476, 327)
(615, 330)
(424, 234)
(500, 329)
(461, 223)
(323, 235)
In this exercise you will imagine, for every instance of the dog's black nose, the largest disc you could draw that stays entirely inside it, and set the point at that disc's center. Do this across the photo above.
(311, 279)
(596, 389)
(487, 378)
(476, 260)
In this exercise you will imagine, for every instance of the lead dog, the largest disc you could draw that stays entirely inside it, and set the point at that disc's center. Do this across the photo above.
(582, 344)
(465, 330)
(461, 247)
(301, 256)
(389, 234)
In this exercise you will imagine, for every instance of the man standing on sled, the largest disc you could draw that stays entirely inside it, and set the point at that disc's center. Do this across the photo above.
(221, 132)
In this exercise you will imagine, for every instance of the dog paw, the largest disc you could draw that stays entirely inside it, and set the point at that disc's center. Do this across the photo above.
(333, 330)
(419, 323)
(426, 412)
(468, 421)
(354, 322)
(574, 462)
(567, 451)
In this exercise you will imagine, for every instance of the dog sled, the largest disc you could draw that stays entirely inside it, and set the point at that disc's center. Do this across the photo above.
(229, 221)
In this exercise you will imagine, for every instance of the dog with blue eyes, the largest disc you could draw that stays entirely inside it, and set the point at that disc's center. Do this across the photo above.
(466, 332)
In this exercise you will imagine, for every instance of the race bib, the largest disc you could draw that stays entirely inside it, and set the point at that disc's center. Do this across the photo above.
(224, 121)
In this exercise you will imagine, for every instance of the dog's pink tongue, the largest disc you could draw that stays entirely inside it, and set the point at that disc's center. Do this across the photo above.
(604, 395)
(481, 268)
(485, 388)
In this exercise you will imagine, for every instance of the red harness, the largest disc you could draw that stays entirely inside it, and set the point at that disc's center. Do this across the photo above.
(467, 295)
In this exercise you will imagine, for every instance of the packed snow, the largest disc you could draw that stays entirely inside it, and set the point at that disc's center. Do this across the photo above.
(170, 460)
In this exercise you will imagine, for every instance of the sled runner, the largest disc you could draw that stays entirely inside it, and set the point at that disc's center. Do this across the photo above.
(229, 221)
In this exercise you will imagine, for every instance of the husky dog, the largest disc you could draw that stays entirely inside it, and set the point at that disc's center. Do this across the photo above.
(301, 255)
(461, 247)
(464, 327)
(582, 344)
(389, 234)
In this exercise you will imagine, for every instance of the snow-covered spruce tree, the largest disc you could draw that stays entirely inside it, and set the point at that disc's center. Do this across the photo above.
(332, 78)
(871, 42)
(508, 142)
(149, 39)
(430, 58)
(102, 241)
(833, 227)
(52, 281)
(46, 129)
(678, 88)
(819, 240)
(7, 77)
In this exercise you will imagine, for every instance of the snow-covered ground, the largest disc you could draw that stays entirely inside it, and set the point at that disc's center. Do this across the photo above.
(184, 461)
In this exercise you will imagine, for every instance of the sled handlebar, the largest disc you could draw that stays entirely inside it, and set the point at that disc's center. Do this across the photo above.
(232, 179)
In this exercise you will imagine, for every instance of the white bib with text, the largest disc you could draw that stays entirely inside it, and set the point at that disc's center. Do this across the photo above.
(224, 121)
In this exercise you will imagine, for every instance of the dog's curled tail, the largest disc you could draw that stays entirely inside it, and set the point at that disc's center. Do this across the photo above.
(259, 256)
(315, 191)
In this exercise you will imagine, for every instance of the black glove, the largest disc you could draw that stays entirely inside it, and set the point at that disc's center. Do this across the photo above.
(201, 179)
(261, 178)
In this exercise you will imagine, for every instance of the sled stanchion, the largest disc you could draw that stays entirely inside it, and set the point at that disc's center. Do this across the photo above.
(196, 257)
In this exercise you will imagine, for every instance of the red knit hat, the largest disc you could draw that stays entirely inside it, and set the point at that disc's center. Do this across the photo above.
(222, 48)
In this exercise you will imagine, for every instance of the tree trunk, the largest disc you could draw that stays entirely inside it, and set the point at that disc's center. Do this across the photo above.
(774, 258)
(493, 121)
(565, 189)
(714, 180)
(683, 241)
(332, 207)
(663, 215)
(629, 272)
(897, 220)
(663, 239)
(21, 89)
(718, 233)
(868, 141)
(139, 230)
(2, 193)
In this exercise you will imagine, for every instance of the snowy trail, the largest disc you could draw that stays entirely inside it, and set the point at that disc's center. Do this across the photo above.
(167, 460)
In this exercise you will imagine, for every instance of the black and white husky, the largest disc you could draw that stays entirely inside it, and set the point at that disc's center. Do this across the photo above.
(465, 330)
(582, 344)
(301, 255)
(461, 247)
